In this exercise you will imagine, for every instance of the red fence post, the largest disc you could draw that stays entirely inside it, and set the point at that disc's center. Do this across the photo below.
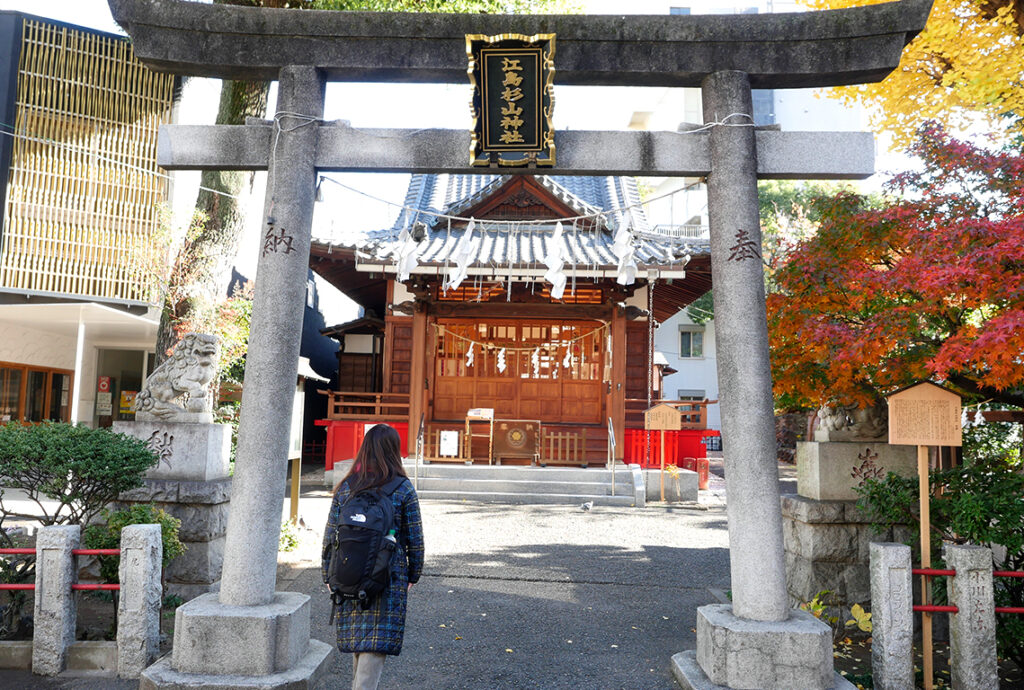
(703, 473)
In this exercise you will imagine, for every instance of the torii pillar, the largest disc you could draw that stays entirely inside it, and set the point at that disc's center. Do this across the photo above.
(758, 641)
(252, 636)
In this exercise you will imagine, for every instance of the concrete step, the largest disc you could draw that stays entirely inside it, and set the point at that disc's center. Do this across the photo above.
(519, 484)
(529, 486)
(526, 498)
(519, 473)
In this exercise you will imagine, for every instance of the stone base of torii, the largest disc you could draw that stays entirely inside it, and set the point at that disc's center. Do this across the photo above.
(249, 635)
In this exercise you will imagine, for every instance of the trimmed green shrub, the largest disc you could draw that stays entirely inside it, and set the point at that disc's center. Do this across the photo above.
(79, 468)
(82, 469)
(108, 534)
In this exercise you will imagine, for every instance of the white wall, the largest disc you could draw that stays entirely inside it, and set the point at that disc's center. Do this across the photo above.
(693, 373)
(22, 345)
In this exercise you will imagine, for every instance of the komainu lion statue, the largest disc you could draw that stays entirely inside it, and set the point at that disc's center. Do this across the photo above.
(178, 389)
(853, 423)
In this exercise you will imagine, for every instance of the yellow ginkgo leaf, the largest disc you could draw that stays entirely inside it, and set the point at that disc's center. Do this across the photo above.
(861, 618)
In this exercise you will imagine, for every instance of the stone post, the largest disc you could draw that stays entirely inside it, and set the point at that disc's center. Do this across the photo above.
(248, 635)
(972, 631)
(138, 607)
(758, 641)
(892, 657)
(756, 556)
(56, 607)
(254, 523)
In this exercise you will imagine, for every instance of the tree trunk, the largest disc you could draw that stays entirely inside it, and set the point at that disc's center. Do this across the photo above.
(209, 257)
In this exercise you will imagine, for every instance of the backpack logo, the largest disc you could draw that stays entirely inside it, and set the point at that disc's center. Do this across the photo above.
(357, 517)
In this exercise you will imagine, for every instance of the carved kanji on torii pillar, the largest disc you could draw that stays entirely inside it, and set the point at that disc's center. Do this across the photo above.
(724, 55)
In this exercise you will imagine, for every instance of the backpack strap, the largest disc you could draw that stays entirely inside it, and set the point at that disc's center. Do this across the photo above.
(384, 489)
(392, 486)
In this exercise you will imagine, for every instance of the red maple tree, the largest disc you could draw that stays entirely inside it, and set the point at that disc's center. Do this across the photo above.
(927, 285)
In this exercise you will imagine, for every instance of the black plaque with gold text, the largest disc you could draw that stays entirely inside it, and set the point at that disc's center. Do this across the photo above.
(512, 78)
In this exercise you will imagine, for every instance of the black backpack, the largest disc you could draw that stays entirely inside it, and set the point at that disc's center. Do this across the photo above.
(360, 555)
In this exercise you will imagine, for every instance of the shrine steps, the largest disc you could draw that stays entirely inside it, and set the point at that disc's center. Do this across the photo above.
(511, 484)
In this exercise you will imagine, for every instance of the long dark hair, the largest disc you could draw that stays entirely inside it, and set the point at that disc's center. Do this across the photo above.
(378, 461)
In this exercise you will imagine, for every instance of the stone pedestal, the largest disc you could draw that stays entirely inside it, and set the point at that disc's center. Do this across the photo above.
(202, 508)
(744, 654)
(827, 547)
(829, 471)
(189, 452)
(190, 483)
(681, 489)
(223, 646)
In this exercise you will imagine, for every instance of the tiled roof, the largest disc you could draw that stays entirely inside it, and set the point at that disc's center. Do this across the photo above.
(451, 194)
(499, 243)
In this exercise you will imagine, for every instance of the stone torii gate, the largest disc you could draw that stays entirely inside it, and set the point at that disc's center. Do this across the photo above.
(248, 628)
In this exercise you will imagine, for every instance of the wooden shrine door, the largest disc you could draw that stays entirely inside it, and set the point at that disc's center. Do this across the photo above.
(553, 370)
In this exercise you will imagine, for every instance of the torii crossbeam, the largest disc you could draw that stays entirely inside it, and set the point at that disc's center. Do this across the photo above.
(757, 642)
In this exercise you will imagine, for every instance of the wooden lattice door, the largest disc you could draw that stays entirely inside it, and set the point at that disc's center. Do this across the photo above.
(552, 370)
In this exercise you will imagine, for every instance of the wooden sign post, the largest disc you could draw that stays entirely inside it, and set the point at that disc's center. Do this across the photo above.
(924, 415)
(662, 418)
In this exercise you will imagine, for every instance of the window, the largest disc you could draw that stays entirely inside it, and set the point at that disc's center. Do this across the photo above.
(690, 395)
(34, 394)
(679, 10)
(691, 343)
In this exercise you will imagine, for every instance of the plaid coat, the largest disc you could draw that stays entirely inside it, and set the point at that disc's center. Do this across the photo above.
(380, 628)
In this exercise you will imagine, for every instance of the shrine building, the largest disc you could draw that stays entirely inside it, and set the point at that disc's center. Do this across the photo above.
(510, 317)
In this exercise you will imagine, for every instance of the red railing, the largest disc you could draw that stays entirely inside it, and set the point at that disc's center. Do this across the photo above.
(932, 572)
(362, 405)
(74, 552)
(693, 413)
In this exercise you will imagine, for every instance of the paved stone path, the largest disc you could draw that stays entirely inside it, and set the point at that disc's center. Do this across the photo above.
(517, 597)
(544, 596)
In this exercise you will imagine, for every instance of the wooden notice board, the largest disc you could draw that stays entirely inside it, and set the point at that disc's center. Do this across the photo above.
(924, 415)
(662, 418)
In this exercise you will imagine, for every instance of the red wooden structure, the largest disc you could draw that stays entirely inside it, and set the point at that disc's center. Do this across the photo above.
(500, 339)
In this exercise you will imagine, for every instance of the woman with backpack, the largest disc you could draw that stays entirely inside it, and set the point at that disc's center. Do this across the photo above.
(372, 627)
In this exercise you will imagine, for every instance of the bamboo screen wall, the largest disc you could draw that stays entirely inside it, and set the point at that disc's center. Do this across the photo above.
(82, 204)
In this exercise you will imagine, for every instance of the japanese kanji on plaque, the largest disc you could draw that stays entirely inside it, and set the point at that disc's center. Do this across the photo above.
(513, 82)
(924, 414)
